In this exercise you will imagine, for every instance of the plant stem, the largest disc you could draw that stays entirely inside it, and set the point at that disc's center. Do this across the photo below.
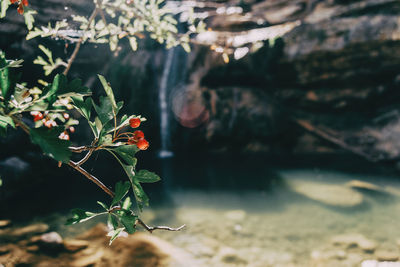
(91, 177)
(152, 228)
(78, 45)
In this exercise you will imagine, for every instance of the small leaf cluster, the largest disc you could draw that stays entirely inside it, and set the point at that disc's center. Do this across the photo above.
(22, 8)
(114, 20)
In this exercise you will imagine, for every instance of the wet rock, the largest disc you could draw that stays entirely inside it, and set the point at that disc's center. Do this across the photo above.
(4, 250)
(23, 232)
(229, 255)
(332, 195)
(88, 260)
(353, 240)
(5, 223)
(357, 184)
(32, 249)
(49, 241)
(235, 215)
(385, 255)
(328, 254)
(374, 263)
(74, 245)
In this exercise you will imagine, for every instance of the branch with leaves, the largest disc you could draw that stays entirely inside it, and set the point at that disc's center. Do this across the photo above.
(110, 134)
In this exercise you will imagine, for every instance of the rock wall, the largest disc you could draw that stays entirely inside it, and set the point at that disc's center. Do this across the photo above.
(328, 81)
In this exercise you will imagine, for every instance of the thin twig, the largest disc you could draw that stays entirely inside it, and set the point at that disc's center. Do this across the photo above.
(78, 45)
(152, 228)
(91, 177)
(79, 149)
(85, 158)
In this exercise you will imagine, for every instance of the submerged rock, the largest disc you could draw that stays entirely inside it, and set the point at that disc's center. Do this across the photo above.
(229, 255)
(385, 255)
(328, 194)
(74, 245)
(5, 223)
(355, 240)
(357, 184)
(374, 263)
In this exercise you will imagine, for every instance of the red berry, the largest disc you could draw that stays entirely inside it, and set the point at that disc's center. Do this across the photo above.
(64, 135)
(49, 123)
(13, 1)
(37, 115)
(132, 141)
(138, 135)
(20, 9)
(142, 144)
(66, 116)
(25, 2)
(71, 129)
(134, 122)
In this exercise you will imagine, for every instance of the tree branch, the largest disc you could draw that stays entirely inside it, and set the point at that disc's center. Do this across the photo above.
(152, 228)
(91, 177)
(78, 45)
(76, 166)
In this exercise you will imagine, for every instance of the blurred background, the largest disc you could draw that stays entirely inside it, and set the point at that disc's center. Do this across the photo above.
(277, 137)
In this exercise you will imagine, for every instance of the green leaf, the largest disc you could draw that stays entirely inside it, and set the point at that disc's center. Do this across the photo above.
(51, 145)
(4, 6)
(109, 92)
(114, 234)
(59, 83)
(5, 121)
(83, 106)
(8, 78)
(79, 215)
(141, 197)
(127, 153)
(128, 220)
(127, 204)
(112, 221)
(74, 88)
(121, 189)
(15, 63)
(103, 205)
(104, 110)
(28, 16)
(145, 176)
(47, 52)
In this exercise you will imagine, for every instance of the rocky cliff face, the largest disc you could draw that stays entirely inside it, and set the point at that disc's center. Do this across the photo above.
(327, 77)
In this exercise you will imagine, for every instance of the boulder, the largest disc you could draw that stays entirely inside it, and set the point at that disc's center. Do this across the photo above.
(328, 194)
(387, 255)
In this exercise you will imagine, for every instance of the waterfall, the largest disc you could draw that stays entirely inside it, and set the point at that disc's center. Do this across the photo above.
(163, 103)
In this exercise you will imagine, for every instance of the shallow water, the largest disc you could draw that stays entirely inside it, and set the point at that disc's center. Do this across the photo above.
(272, 225)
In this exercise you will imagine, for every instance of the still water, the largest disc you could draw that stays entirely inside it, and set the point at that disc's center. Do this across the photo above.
(253, 214)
